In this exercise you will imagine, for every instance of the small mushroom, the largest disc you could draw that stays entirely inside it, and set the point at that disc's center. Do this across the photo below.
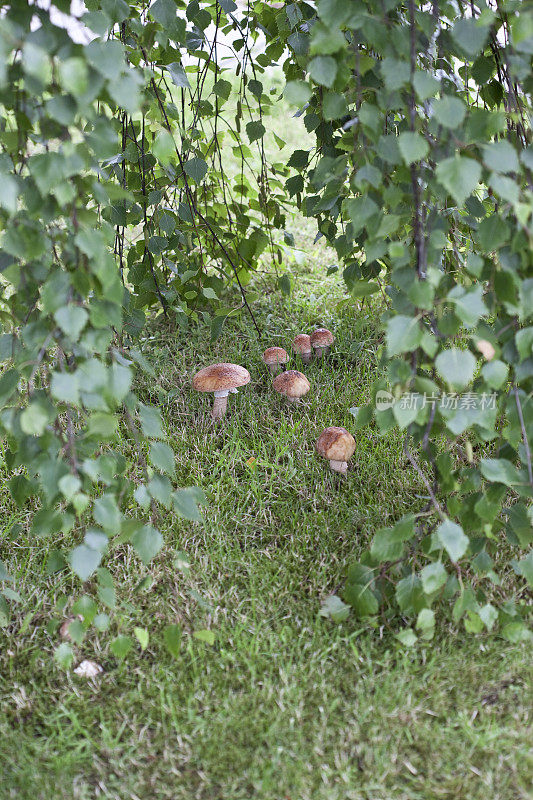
(321, 340)
(274, 357)
(88, 669)
(221, 379)
(338, 446)
(302, 346)
(292, 384)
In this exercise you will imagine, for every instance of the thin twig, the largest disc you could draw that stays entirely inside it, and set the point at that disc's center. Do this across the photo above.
(425, 481)
(524, 434)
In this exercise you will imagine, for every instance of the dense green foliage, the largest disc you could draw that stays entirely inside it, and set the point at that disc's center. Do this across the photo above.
(116, 202)
(422, 182)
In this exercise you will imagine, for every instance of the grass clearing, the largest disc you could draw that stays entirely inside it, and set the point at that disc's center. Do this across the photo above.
(283, 705)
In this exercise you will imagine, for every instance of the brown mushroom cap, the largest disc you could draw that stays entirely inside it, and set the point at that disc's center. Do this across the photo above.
(275, 355)
(292, 384)
(336, 444)
(322, 338)
(302, 343)
(219, 377)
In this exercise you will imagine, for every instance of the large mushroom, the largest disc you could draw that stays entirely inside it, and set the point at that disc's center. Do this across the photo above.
(338, 446)
(221, 379)
(321, 340)
(302, 346)
(274, 357)
(292, 384)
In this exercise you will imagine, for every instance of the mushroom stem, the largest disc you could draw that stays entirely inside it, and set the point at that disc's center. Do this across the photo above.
(321, 351)
(274, 368)
(220, 404)
(339, 466)
(306, 358)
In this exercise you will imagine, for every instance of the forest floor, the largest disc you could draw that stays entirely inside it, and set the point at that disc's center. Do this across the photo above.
(276, 703)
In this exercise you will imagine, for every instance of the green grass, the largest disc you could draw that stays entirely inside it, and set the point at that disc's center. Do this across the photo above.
(284, 705)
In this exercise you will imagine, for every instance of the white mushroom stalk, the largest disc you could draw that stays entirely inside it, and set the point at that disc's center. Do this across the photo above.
(339, 466)
(220, 403)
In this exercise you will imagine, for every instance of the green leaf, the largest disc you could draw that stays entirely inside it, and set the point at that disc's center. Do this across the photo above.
(456, 367)
(395, 73)
(521, 523)
(362, 599)
(121, 646)
(64, 655)
(323, 70)
(425, 85)
(196, 168)
(413, 147)
(404, 334)
(205, 636)
(164, 12)
(84, 561)
(410, 594)
(433, 577)
(452, 538)
(325, 40)
(142, 636)
(524, 567)
(102, 425)
(35, 418)
(449, 111)
(492, 233)
(334, 106)
(488, 615)
(151, 422)
(500, 156)
(147, 542)
(425, 623)
(72, 320)
(255, 130)
(407, 637)
(160, 489)
(162, 457)
(499, 470)
(459, 176)
(178, 74)
(107, 514)
(69, 485)
(120, 378)
(495, 373)
(335, 609)
(185, 502)
(164, 148)
(64, 386)
(108, 57)
(73, 76)
(172, 639)
(8, 385)
(470, 35)
(297, 92)
(222, 88)
(360, 210)
(469, 305)
(20, 488)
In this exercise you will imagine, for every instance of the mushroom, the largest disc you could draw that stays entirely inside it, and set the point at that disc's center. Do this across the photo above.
(338, 446)
(292, 384)
(221, 379)
(302, 346)
(321, 340)
(274, 357)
